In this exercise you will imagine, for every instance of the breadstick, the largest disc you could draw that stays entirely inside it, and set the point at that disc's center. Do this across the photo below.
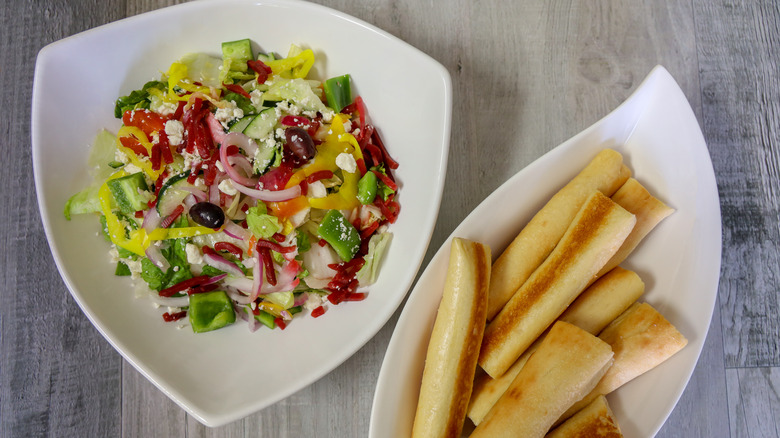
(594, 236)
(642, 339)
(593, 310)
(568, 363)
(451, 359)
(605, 173)
(593, 421)
(649, 211)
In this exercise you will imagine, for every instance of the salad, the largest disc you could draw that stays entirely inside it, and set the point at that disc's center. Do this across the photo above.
(240, 188)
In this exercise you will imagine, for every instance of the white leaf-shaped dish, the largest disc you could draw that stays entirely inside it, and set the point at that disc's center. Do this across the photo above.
(657, 132)
(227, 374)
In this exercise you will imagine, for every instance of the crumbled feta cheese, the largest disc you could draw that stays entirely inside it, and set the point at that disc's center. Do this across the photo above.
(317, 190)
(121, 156)
(220, 167)
(193, 254)
(256, 97)
(226, 186)
(313, 300)
(346, 162)
(131, 168)
(166, 108)
(327, 116)
(155, 137)
(347, 125)
(135, 268)
(289, 107)
(174, 129)
(189, 159)
(114, 253)
(229, 112)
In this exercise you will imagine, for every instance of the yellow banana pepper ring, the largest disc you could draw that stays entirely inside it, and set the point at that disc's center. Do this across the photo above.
(145, 165)
(176, 75)
(337, 142)
(298, 66)
(139, 240)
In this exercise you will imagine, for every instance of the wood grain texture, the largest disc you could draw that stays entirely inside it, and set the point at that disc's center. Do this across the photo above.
(754, 402)
(526, 76)
(57, 375)
(741, 89)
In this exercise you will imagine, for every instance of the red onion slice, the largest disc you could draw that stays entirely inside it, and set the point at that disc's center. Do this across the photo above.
(170, 301)
(189, 201)
(152, 220)
(257, 274)
(199, 194)
(243, 284)
(215, 128)
(236, 231)
(301, 299)
(222, 264)
(244, 142)
(269, 195)
(155, 256)
(214, 193)
(238, 297)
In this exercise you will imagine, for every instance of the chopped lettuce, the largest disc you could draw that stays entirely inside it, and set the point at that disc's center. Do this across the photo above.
(203, 68)
(376, 250)
(137, 98)
(298, 91)
(261, 223)
(241, 102)
(176, 273)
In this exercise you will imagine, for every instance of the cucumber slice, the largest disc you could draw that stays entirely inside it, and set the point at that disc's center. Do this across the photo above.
(265, 156)
(172, 193)
(240, 125)
(127, 192)
(262, 124)
(237, 53)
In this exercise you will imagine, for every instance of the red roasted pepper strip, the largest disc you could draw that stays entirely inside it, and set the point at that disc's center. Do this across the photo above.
(182, 285)
(156, 157)
(145, 120)
(170, 317)
(238, 89)
(267, 244)
(171, 218)
(389, 161)
(134, 145)
(229, 247)
(385, 179)
(317, 312)
(268, 265)
(261, 69)
(318, 175)
(203, 289)
(165, 148)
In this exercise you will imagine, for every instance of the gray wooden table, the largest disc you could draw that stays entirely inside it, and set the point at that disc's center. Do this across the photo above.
(527, 75)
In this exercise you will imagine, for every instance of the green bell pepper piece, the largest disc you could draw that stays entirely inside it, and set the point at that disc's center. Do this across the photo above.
(340, 234)
(210, 311)
(338, 92)
(367, 187)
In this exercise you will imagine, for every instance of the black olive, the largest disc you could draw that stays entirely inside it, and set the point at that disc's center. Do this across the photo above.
(300, 145)
(207, 214)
